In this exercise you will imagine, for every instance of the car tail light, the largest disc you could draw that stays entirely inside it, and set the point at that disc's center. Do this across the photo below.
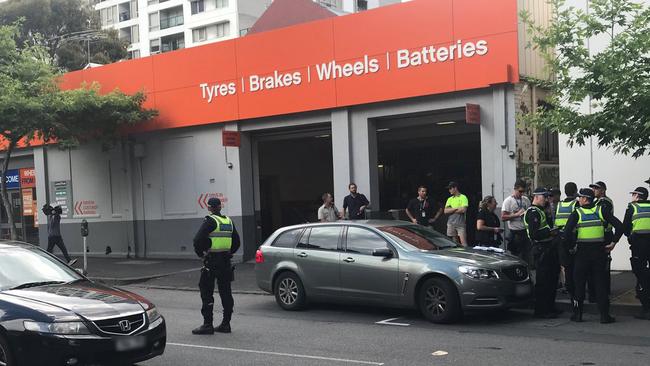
(259, 256)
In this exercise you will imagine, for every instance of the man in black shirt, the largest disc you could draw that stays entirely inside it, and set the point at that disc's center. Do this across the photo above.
(545, 255)
(586, 227)
(355, 203)
(421, 210)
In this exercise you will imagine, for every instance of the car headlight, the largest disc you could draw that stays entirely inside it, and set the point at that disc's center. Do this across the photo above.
(153, 315)
(63, 328)
(478, 273)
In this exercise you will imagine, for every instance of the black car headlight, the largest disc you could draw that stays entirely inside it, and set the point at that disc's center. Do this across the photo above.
(62, 328)
(478, 273)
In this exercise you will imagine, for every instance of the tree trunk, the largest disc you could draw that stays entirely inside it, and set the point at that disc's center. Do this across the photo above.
(3, 188)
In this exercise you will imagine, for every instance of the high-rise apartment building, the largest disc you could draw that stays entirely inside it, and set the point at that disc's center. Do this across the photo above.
(155, 26)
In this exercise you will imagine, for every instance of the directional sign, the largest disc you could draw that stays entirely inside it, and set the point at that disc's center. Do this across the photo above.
(86, 207)
(62, 194)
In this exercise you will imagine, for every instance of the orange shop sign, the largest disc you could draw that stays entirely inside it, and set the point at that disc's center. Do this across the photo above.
(27, 178)
(405, 50)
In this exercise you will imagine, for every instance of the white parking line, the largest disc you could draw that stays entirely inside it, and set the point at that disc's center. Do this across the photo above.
(275, 354)
(389, 322)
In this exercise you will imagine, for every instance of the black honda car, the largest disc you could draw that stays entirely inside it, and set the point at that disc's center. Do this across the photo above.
(52, 315)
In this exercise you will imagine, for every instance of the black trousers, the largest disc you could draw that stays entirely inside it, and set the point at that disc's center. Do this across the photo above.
(216, 267)
(640, 261)
(567, 260)
(519, 245)
(591, 263)
(547, 263)
(58, 241)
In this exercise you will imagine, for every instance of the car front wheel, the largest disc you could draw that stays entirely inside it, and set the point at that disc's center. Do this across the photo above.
(5, 353)
(289, 291)
(438, 301)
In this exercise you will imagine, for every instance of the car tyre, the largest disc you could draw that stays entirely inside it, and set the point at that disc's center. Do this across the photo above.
(289, 291)
(5, 353)
(438, 301)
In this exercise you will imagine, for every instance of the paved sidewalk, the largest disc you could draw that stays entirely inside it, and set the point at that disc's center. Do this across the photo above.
(183, 274)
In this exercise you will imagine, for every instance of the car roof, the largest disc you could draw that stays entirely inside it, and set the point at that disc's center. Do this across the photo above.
(7, 244)
(367, 223)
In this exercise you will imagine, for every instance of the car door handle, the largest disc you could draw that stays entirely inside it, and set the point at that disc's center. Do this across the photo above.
(302, 255)
(348, 260)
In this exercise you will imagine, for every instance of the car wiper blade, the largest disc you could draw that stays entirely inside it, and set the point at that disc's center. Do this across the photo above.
(36, 284)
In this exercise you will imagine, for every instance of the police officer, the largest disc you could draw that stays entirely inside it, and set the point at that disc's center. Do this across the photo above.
(545, 255)
(564, 209)
(215, 242)
(586, 227)
(637, 228)
(600, 191)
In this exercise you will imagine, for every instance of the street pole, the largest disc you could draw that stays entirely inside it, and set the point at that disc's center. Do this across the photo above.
(84, 235)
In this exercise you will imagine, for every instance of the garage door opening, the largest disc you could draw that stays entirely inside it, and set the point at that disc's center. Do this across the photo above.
(295, 169)
(430, 150)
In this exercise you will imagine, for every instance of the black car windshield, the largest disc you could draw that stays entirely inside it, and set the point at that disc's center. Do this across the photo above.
(24, 267)
(417, 237)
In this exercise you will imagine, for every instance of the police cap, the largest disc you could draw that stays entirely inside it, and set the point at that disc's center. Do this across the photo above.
(598, 185)
(641, 191)
(541, 191)
(587, 192)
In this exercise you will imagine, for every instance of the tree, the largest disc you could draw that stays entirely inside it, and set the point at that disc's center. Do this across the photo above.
(615, 81)
(53, 24)
(33, 106)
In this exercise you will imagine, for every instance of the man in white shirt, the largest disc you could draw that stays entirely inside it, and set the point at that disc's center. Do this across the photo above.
(328, 212)
(512, 212)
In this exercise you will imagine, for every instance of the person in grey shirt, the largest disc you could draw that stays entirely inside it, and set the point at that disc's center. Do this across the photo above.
(328, 212)
(54, 231)
(512, 212)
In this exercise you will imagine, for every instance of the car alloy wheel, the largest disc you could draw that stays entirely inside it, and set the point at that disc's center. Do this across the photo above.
(4, 359)
(288, 291)
(435, 300)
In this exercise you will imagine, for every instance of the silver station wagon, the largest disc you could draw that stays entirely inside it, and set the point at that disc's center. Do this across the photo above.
(388, 263)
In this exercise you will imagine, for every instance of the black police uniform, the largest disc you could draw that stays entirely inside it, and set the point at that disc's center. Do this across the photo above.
(606, 205)
(215, 266)
(545, 257)
(591, 258)
(640, 261)
(566, 252)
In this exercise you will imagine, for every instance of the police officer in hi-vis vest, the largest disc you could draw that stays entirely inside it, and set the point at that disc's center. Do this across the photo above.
(215, 242)
(564, 209)
(586, 227)
(637, 228)
(545, 256)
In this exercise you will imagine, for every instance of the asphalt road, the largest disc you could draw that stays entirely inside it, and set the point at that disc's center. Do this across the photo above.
(263, 334)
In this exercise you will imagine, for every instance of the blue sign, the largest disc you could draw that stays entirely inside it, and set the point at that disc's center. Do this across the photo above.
(12, 179)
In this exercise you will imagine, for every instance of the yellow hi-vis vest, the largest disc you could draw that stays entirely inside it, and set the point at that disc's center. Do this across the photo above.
(641, 218)
(544, 228)
(221, 237)
(591, 225)
(609, 228)
(563, 211)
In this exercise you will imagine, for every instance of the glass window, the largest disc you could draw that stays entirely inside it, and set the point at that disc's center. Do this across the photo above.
(222, 3)
(364, 241)
(154, 46)
(197, 6)
(154, 21)
(19, 266)
(322, 238)
(287, 239)
(199, 34)
(416, 237)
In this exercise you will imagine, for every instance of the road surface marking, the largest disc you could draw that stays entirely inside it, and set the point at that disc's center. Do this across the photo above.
(275, 354)
(440, 353)
(389, 322)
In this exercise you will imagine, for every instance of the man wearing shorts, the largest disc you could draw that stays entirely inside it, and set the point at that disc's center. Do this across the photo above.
(456, 207)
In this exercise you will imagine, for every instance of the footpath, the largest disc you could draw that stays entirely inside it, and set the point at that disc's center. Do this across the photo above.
(183, 274)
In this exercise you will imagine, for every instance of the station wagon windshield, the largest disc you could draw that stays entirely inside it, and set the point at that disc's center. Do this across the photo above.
(417, 237)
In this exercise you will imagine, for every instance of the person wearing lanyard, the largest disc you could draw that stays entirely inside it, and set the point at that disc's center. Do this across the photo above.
(420, 209)
(512, 212)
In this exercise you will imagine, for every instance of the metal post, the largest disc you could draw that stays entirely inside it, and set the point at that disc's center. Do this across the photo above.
(85, 256)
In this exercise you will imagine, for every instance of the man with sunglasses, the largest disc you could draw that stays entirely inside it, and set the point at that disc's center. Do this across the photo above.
(512, 212)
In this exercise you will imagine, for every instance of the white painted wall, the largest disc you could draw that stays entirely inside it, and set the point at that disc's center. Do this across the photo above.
(586, 164)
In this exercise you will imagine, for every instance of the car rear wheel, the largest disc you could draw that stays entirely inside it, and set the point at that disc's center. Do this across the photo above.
(289, 291)
(438, 301)
(5, 353)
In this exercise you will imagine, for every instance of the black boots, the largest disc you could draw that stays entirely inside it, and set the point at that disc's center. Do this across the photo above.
(204, 329)
(606, 319)
(577, 311)
(224, 327)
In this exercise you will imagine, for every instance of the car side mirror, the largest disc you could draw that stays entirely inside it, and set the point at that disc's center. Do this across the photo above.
(382, 252)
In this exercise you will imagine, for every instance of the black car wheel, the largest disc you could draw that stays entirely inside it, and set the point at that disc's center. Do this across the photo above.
(438, 301)
(5, 353)
(289, 292)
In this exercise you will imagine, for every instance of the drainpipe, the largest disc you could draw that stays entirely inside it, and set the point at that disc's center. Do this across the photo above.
(533, 105)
